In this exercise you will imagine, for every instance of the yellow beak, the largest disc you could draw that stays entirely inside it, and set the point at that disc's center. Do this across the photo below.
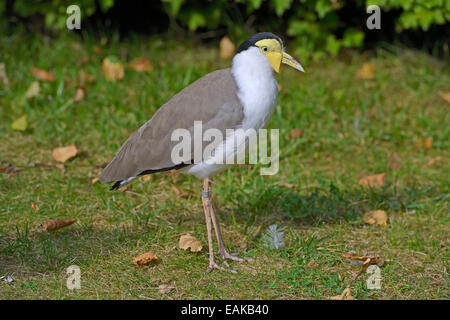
(290, 61)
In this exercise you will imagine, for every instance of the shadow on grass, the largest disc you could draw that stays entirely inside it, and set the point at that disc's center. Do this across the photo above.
(277, 204)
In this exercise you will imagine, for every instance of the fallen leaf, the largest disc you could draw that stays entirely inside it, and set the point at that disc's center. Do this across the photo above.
(365, 261)
(147, 177)
(345, 295)
(63, 154)
(367, 71)
(377, 217)
(287, 185)
(395, 162)
(434, 160)
(34, 206)
(95, 180)
(445, 96)
(376, 180)
(51, 225)
(165, 288)
(20, 124)
(227, 48)
(112, 69)
(427, 143)
(3, 76)
(145, 259)
(42, 74)
(97, 49)
(84, 77)
(180, 192)
(140, 65)
(187, 241)
(295, 133)
(79, 95)
(33, 90)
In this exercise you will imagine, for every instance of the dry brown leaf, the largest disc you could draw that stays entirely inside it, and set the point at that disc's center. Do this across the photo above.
(3, 76)
(63, 154)
(395, 162)
(147, 177)
(187, 241)
(227, 48)
(287, 185)
(140, 65)
(112, 71)
(295, 133)
(97, 49)
(51, 225)
(427, 143)
(366, 260)
(180, 192)
(34, 206)
(95, 180)
(84, 77)
(42, 74)
(79, 95)
(377, 217)
(367, 71)
(165, 288)
(376, 180)
(145, 258)
(445, 96)
(345, 295)
(434, 160)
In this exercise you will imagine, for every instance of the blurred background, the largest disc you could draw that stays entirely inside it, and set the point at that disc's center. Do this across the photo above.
(315, 27)
(364, 130)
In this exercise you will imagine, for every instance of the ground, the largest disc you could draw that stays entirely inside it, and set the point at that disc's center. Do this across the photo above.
(350, 128)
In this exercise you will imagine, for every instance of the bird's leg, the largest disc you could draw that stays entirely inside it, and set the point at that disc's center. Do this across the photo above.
(206, 199)
(222, 250)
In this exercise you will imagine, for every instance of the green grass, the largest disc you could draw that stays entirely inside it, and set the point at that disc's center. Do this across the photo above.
(351, 128)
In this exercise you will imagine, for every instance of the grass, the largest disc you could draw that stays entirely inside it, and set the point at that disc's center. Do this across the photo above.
(351, 128)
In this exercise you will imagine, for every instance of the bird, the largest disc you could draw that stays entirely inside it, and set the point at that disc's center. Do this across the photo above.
(243, 96)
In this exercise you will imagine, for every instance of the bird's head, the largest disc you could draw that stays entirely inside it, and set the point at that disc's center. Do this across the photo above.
(272, 47)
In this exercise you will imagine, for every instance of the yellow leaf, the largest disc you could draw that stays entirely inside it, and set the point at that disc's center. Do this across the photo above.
(367, 71)
(20, 124)
(180, 192)
(33, 90)
(377, 217)
(445, 96)
(227, 48)
(145, 258)
(187, 241)
(140, 65)
(95, 180)
(63, 154)
(376, 180)
(345, 295)
(112, 71)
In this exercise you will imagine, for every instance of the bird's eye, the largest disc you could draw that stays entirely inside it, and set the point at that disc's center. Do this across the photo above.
(265, 49)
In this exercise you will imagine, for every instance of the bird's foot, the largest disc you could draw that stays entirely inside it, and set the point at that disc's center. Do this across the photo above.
(213, 265)
(225, 255)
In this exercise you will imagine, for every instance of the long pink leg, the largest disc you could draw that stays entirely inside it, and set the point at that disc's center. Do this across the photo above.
(207, 208)
(222, 250)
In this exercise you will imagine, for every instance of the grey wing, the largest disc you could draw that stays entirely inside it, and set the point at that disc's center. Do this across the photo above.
(211, 99)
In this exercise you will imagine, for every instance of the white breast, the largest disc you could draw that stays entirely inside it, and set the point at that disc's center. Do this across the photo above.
(258, 91)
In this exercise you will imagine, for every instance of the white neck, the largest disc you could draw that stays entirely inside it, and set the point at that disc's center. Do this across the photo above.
(258, 88)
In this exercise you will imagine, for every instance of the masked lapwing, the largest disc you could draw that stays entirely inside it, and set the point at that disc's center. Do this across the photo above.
(241, 97)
